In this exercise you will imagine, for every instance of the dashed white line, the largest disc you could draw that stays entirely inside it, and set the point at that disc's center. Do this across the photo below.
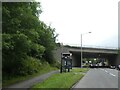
(112, 74)
(108, 72)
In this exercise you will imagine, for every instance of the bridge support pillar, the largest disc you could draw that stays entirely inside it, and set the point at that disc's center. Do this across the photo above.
(112, 60)
(76, 61)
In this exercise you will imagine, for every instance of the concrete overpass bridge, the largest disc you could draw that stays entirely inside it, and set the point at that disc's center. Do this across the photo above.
(107, 54)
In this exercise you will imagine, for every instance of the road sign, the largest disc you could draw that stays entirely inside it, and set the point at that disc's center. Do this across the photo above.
(66, 62)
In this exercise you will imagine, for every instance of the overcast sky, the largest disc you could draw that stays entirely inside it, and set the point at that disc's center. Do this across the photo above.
(71, 18)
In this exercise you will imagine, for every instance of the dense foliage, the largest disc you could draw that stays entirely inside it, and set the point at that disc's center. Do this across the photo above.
(27, 41)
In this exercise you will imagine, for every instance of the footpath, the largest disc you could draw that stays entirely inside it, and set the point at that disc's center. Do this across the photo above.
(28, 83)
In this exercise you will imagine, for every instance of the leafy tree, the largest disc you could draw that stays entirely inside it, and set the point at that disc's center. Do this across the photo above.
(25, 38)
(47, 39)
(15, 49)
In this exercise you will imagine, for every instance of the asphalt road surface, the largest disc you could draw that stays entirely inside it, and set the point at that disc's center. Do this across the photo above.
(99, 78)
(28, 83)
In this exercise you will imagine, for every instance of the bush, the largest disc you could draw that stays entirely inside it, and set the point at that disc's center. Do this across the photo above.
(56, 64)
(30, 66)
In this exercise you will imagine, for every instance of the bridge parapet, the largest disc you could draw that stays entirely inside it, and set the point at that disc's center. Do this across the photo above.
(94, 50)
(110, 54)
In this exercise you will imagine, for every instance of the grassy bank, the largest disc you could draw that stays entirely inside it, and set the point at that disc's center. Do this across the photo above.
(12, 80)
(62, 80)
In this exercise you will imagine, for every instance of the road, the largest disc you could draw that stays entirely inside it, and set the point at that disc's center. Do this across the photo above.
(99, 78)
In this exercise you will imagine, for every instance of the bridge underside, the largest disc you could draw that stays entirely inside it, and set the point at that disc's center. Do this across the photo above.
(76, 57)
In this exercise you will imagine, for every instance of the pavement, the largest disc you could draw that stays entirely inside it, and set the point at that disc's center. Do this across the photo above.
(98, 78)
(28, 83)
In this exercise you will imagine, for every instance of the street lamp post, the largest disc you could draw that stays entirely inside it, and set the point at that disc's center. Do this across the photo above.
(81, 50)
(81, 47)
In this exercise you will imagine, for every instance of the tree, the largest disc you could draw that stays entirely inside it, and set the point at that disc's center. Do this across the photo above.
(25, 37)
(47, 39)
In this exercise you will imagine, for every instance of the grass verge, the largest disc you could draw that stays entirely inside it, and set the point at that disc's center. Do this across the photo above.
(62, 80)
(17, 79)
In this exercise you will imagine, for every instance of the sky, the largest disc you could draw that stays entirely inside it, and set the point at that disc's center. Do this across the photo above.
(71, 18)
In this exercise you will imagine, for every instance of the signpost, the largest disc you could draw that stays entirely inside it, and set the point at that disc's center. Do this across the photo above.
(66, 62)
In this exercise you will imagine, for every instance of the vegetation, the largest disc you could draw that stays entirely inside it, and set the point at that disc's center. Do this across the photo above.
(11, 80)
(27, 42)
(64, 80)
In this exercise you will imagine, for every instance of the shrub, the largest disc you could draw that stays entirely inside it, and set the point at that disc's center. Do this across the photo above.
(30, 65)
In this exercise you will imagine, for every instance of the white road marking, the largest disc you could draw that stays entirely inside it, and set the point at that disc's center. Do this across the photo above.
(108, 72)
(112, 74)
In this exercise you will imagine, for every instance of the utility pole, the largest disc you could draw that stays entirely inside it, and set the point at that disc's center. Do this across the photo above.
(81, 47)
